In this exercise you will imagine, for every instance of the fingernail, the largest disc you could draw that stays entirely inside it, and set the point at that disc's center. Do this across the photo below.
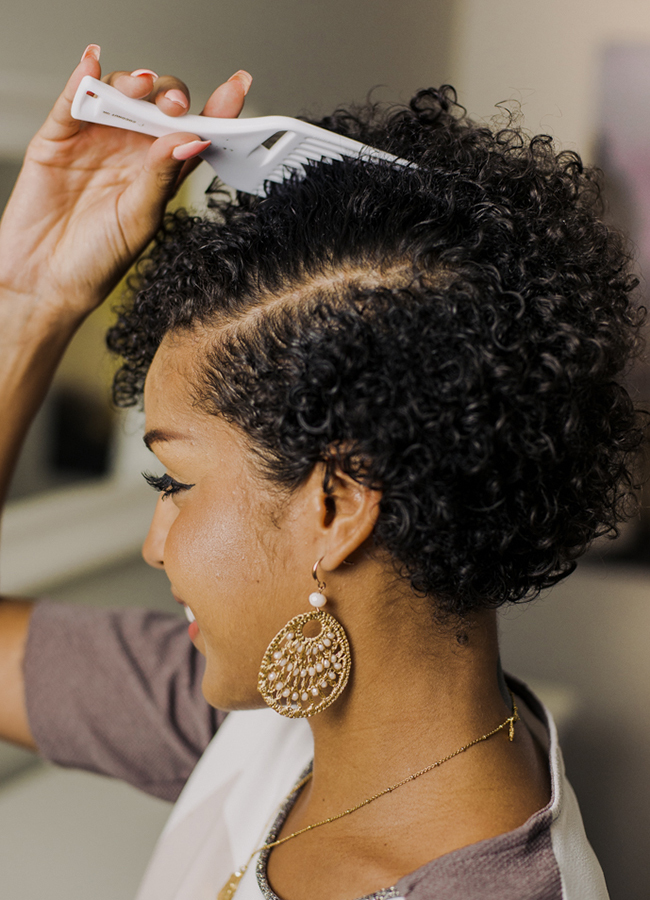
(139, 72)
(192, 148)
(92, 51)
(245, 78)
(179, 97)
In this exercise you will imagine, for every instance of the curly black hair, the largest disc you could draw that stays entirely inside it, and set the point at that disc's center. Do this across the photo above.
(453, 333)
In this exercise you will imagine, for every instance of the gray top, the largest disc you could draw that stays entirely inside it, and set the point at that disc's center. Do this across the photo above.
(119, 693)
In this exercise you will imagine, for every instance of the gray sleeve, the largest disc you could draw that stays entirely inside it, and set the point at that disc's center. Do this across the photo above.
(117, 692)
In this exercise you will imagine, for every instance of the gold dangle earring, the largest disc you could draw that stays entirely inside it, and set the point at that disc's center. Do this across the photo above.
(301, 674)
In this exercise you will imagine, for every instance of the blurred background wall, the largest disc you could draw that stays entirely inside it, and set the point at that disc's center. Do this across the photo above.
(547, 55)
(301, 54)
(585, 644)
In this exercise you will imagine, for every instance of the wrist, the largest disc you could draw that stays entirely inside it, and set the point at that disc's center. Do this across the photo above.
(24, 317)
(33, 338)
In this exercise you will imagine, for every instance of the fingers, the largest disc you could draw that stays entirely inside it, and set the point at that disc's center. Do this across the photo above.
(228, 99)
(60, 125)
(137, 84)
(170, 94)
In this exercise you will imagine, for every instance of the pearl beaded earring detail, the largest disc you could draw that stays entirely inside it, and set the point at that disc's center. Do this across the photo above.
(302, 675)
(317, 598)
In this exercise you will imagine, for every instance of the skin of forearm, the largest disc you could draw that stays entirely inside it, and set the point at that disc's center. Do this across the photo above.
(14, 625)
(33, 338)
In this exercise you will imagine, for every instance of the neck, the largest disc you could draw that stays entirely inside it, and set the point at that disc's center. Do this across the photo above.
(418, 692)
(419, 696)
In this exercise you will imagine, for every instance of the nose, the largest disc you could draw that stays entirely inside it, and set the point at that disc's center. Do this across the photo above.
(153, 549)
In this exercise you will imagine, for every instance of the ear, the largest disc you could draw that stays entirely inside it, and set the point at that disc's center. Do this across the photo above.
(347, 514)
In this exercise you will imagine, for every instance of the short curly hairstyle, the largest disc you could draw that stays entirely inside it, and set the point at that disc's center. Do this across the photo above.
(453, 333)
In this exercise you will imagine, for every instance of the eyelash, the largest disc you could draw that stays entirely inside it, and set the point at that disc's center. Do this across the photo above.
(165, 484)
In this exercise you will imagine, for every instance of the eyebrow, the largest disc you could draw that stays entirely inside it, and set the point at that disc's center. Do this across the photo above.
(158, 434)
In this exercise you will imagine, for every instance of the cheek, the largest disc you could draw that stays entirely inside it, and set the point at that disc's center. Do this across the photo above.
(236, 577)
(212, 554)
(218, 564)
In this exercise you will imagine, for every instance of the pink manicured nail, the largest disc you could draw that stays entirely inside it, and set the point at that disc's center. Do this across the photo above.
(139, 72)
(245, 79)
(178, 97)
(192, 148)
(92, 51)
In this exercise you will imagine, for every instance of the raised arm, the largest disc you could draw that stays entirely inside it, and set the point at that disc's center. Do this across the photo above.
(88, 200)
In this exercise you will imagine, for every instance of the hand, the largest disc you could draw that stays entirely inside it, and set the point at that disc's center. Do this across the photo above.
(89, 197)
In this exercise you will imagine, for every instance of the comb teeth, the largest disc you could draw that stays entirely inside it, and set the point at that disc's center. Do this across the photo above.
(312, 151)
(322, 145)
(299, 157)
(316, 150)
(319, 149)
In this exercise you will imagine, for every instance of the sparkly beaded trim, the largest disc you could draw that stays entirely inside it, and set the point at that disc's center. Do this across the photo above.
(390, 893)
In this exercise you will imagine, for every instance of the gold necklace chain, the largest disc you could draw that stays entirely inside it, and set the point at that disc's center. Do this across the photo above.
(229, 888)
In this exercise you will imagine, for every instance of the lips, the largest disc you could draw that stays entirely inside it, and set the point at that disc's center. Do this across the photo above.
(192, 628)
(189, 615)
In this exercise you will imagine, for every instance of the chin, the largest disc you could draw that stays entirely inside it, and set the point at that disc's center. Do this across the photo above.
(231, 700)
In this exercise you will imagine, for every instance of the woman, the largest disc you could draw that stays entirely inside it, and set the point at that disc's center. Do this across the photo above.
(387, 396)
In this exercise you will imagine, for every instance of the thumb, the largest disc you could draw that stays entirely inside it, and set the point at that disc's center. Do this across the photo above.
(142, 206)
